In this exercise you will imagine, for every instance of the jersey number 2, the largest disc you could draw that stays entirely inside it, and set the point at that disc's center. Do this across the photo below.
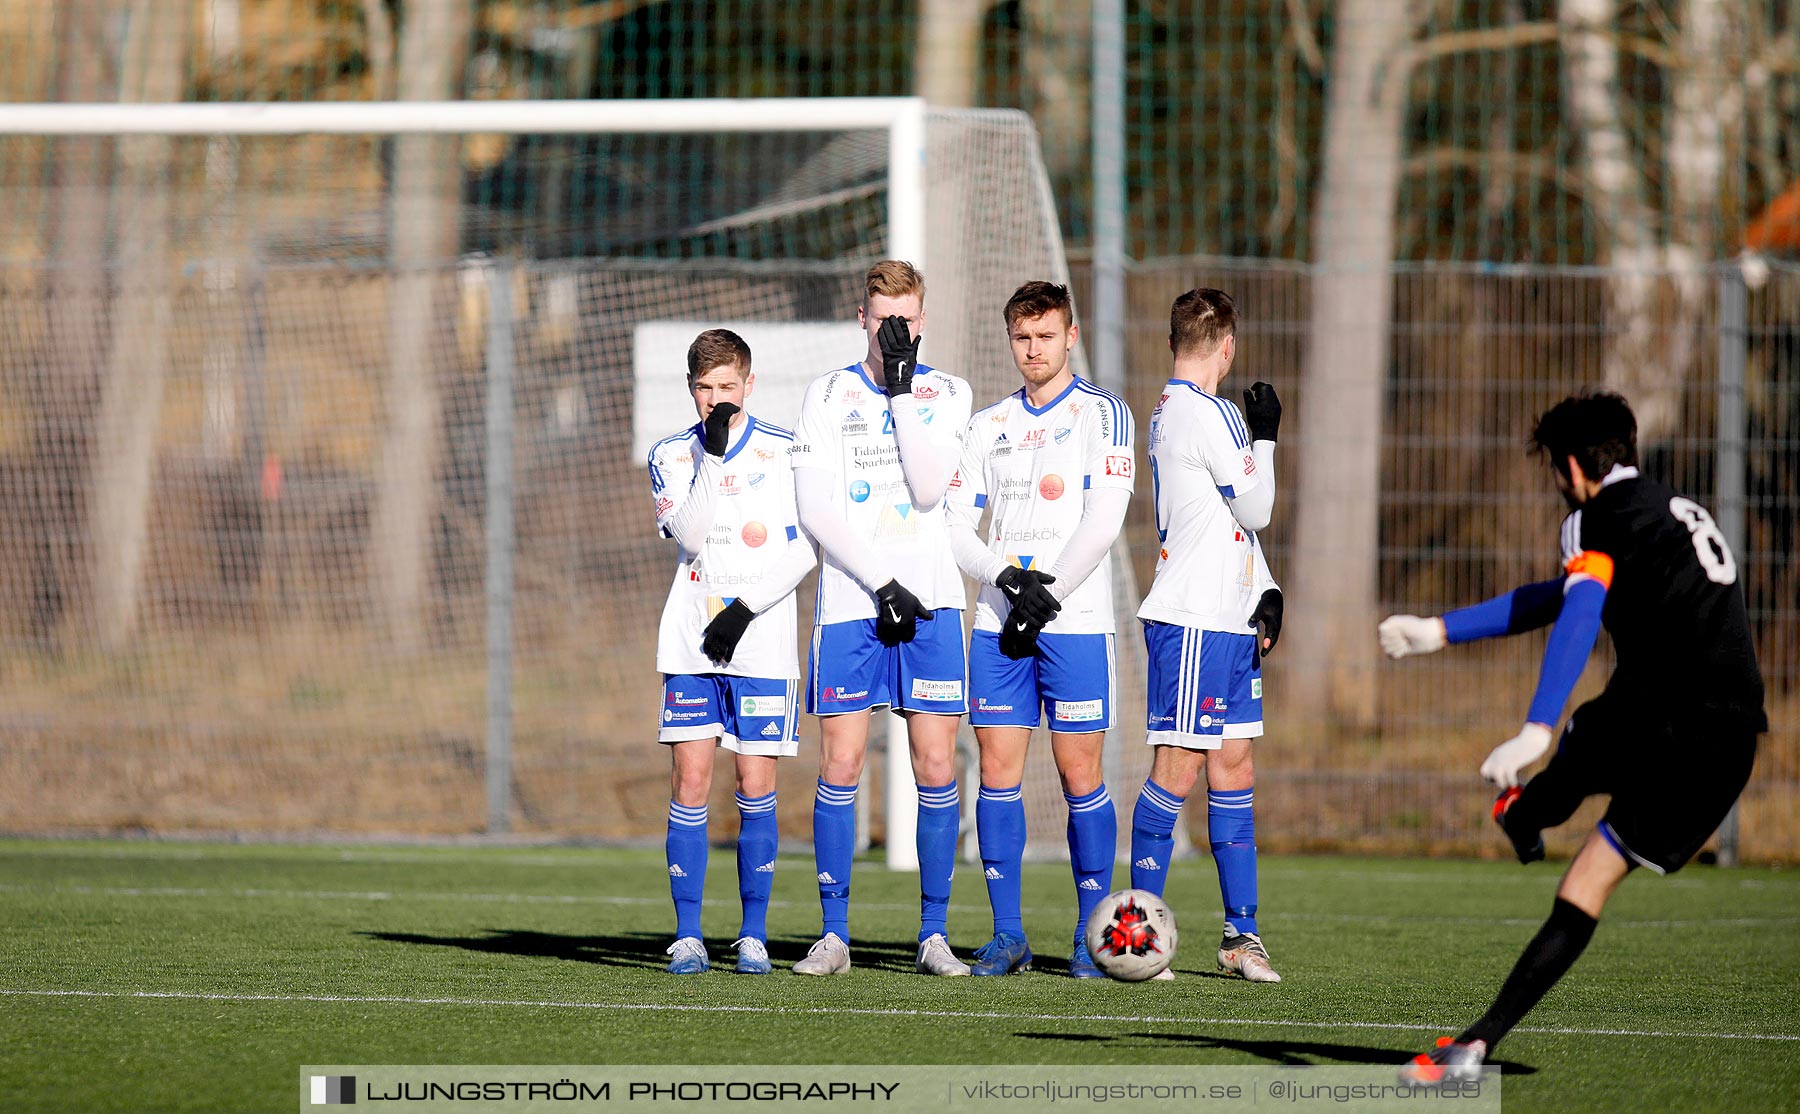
(1709, 543)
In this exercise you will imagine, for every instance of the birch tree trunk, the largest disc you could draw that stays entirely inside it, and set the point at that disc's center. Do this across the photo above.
(424, 236)
(124, 450)
(1334, 580)
(1657, 290)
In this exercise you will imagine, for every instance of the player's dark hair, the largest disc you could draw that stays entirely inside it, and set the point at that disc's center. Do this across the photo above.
(1597, 428)
(1200, 320)
(1037, 298)
(716, 348)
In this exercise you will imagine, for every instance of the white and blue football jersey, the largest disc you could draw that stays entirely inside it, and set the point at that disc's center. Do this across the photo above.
(1030, 467)
(845, 429)
(1207, 572)
(754, 521)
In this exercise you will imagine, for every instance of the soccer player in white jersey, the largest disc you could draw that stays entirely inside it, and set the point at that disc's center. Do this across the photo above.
(1053, 464)
(724, 491)
(873, 455)
(1211, 613)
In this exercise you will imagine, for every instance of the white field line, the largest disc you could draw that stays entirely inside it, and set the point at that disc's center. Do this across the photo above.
(847, 1011)
(609, 899)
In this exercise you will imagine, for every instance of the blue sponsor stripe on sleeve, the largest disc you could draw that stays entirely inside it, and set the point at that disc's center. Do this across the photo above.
(1227, 491)
(793, 532)
(980, 501)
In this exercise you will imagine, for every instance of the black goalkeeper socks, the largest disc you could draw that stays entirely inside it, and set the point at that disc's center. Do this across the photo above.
(1546, 959)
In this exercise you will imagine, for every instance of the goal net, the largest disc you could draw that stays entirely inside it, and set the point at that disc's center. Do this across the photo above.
(252, 574)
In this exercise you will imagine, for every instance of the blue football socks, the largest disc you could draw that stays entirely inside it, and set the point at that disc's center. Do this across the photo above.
(834, 845)
(1231, 826)
(1153, 837)
(1093, 843)
(685, 849)
(757, 837)
(1000, 832)
(940, 818)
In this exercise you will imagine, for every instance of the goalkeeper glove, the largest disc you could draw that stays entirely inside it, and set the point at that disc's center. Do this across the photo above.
(899, 354)
(1266, 620)
(897, 613)
(1262, 411)
(1030, 600)
(1018, 638)
(721, 635)
(1503, 765)
(718, 427)
(1402, 635)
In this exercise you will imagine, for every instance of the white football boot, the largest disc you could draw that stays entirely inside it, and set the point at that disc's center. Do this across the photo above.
(830, 956)
(1245, 955)
(936, 958)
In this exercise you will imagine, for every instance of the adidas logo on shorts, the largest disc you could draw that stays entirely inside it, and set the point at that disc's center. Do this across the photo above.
(771, 731)
(675, 871)
(1148, 862)
(993, 872)
(1089, 884)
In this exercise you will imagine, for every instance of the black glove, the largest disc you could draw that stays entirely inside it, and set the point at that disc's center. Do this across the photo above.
(899, 354)
(1030, 600)
(1018, 637)
(897, 612)
(1262, 411)
(722, 634)
(718, 428)
(1266, 620)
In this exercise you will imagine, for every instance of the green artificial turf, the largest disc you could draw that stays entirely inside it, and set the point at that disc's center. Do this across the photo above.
(162, 976)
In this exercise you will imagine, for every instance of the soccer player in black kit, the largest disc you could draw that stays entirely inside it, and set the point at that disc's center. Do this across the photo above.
(1649, 564)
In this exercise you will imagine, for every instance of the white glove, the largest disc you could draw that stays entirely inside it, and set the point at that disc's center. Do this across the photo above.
(1409, 634)
(1503, 765)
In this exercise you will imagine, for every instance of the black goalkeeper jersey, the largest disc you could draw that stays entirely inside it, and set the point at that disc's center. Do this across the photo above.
(1674, 607)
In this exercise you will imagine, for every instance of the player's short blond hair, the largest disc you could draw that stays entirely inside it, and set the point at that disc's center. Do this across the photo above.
(1200, 320)
(717, 348)
(893, 278)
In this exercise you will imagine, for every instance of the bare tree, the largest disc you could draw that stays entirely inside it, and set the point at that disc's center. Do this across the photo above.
(1057, 34)
(1657, 291)
(948, 60)
(1334, 576)
(124, 448)
(423, 238)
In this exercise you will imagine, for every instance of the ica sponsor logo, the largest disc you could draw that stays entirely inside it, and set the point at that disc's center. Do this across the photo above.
(1051, 487)
(925, 393)
(1249, 465)
(859, 491)
(754, 534)
(663, 505)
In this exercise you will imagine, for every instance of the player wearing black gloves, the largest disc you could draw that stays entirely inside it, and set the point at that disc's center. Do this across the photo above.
(873, 455)
(728, 680)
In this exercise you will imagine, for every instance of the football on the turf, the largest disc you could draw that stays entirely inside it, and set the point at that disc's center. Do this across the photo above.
(1131, 935)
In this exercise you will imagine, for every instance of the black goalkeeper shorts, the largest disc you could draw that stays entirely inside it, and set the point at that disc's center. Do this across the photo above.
(1671, 782)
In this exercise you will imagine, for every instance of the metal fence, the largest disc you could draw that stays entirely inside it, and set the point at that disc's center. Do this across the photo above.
(260, 696)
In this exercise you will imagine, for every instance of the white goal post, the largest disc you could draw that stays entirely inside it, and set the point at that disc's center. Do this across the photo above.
(903, 118)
